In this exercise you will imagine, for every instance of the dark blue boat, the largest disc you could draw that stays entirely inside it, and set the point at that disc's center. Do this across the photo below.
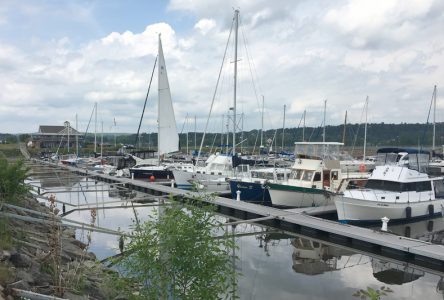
(253, 192)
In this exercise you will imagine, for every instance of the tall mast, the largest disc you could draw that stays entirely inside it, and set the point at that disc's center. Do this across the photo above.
(242, 133)
(283, 129)
(95, 129)
(77, 137)
(186, 122)
(345, 125)
(101, 143)
(68, 135)
(236, 27)
(262, 126)
(365, 128)
(303, 128)
(434, 118)
(195, 133)
(325, 109)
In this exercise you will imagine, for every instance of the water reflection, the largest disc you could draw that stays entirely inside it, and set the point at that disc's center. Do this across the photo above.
(274, 265)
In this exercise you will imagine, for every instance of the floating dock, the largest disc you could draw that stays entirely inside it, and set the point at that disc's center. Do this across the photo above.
(298, 221)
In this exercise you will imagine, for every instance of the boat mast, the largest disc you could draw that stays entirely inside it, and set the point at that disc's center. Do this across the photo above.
(68, 135)
(345, 126)
(434, 118)
(262, 126)
(303, 128)
(195, 133)
(95, 129)
(77, 137)
(325, 109)
(283, 129)
(236, 27)
(101, 144)
(242, 133)
(365, 128)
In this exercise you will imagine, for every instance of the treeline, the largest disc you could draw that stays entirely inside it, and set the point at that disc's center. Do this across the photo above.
(380, 134)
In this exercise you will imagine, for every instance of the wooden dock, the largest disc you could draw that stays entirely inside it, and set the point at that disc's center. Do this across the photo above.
(297, 221)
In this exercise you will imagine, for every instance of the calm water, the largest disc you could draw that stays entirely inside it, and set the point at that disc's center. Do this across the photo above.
(274, 265)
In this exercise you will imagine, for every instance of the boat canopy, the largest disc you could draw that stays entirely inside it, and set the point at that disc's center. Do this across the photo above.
(415, 159)
(318, 150)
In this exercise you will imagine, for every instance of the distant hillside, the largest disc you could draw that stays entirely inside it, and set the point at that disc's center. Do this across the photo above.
(381, 134)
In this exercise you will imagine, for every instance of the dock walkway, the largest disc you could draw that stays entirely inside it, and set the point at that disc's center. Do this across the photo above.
(297, 221)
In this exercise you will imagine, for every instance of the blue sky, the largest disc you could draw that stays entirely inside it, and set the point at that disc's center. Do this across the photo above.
(57, 58)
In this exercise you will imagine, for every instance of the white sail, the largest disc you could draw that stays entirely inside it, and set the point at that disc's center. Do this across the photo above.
(167, 134)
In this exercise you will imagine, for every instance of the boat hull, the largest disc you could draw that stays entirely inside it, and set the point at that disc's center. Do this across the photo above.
(211, 183)
(253, 192)
(283, 195)
(352, 210)
(147, 173)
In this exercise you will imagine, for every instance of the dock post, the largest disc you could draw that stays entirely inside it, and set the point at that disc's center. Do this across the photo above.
(238, 195)
(132, 176)
(172, 183)
(385, 221)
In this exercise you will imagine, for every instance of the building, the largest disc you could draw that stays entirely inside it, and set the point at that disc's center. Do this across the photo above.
(50, 136)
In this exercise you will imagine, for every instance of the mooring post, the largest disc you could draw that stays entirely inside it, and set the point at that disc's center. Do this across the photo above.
(238, 195)
(385, 221)
(172, 183)
(132, 176)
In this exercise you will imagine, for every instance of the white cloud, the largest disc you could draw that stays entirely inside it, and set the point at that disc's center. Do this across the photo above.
(205, 25)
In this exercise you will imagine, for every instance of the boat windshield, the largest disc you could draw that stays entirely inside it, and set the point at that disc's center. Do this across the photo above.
(318, 150)
(414, 161)
(394, 186)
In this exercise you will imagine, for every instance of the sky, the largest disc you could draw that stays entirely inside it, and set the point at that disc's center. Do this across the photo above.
(58, 58)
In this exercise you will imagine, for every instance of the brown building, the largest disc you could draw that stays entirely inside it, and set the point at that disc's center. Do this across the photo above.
(50, 136)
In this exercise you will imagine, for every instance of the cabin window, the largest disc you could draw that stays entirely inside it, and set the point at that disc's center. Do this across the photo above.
(384, 185)
(317, 176)
(420, 186)
(296, 174)
(439, 188)
(307, 175)
(334, 175)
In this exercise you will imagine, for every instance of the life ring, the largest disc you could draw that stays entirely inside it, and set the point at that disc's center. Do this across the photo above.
(361, 168)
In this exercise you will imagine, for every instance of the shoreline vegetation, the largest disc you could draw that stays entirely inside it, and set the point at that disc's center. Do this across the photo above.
(40, 255)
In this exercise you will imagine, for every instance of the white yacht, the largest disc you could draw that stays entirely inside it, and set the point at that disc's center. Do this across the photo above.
(399, 188)
(315, 177)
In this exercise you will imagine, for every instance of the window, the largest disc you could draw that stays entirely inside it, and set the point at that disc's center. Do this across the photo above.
(317, 176)
(307, 175)
(439, 188)
(296, 174)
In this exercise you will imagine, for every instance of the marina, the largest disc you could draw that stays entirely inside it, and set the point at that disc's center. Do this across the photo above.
(410, 250)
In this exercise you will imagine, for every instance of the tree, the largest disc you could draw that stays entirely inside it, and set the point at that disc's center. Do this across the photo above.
(12, 176)
(176, 254)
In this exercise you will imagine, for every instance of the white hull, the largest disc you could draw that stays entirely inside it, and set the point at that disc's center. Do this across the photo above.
(289, 198)
(211, 183)
(351, 209)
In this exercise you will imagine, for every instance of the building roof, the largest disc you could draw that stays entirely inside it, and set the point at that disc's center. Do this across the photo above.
(57, 130)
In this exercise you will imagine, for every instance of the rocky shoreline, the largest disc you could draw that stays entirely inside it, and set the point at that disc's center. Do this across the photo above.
(46, 258)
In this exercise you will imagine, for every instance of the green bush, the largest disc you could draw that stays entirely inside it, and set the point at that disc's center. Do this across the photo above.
(176, 254)
(12, 176)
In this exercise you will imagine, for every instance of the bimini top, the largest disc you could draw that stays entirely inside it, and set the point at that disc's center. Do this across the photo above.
(406, 150)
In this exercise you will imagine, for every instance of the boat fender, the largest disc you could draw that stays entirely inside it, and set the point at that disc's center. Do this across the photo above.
(408, 212)
(362, 168)
(407, 231)
(430, 226)
(431, 210)
(152, 178)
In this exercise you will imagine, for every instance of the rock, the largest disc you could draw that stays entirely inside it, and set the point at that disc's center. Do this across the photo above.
(9, 297)
(71, 296)
(25, 276)
(1, 289)
(79, 244)
(20, 260)
(21, 284)
(4, 255)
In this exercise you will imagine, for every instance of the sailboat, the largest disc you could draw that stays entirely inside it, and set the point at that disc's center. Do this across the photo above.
(218, 167)
(168, 138)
